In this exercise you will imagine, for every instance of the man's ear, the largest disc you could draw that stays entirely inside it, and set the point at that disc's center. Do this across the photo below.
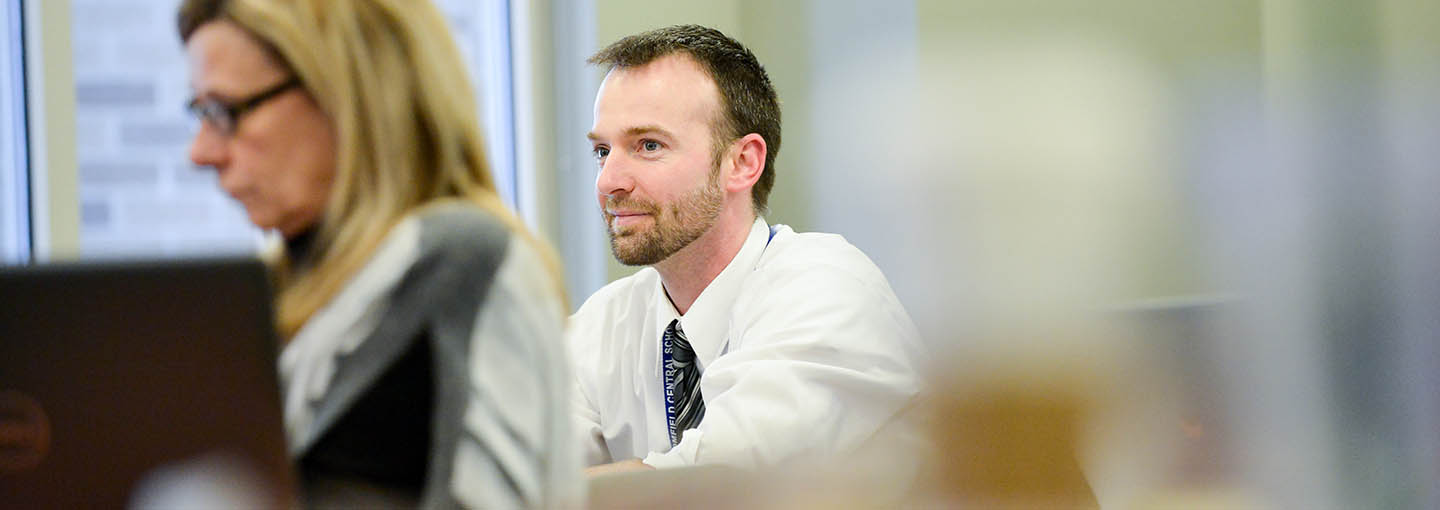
(747, 158)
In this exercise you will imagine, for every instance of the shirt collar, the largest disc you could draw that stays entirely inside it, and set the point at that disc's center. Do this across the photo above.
(707, 323)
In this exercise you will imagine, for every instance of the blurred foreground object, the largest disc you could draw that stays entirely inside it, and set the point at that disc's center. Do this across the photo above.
(1262, 170)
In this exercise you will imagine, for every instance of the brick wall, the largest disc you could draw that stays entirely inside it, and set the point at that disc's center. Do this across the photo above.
(139, 195)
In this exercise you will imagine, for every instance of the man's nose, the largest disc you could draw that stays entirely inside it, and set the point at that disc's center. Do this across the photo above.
(615, 176)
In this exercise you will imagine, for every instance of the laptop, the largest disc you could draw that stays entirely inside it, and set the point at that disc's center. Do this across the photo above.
(140, 384)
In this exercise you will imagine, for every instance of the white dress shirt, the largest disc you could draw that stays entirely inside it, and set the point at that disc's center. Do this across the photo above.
(804, 350)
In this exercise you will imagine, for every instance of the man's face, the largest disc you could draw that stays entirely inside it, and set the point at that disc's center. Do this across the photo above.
(659, 185)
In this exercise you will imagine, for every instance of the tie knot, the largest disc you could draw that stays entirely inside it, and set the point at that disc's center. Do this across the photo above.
(683, 351)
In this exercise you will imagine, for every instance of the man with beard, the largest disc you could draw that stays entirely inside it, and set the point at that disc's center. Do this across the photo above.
(741, 344)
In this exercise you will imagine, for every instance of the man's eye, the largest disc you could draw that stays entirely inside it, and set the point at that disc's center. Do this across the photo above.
(600, 152)
(650, 146)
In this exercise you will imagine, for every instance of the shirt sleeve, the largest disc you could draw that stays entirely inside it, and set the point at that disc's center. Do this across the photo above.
(582, 341)
(586, 419)
(518, 450)
(820, 360)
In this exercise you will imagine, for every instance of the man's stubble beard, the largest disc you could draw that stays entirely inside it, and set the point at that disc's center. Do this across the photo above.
(673, 227)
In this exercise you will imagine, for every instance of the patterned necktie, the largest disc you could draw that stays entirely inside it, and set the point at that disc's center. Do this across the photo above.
(684, 407)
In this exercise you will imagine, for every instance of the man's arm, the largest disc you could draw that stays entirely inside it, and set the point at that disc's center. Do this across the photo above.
(623, 466)
(586, 423)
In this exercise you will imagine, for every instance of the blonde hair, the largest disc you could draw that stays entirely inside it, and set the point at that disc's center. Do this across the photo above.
(388, 74)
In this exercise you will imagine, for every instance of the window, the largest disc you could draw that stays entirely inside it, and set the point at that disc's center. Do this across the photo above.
(14, 169)
(138, 193)
(482, 30)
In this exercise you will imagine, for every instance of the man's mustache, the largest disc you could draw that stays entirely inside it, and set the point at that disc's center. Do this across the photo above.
(629, 204)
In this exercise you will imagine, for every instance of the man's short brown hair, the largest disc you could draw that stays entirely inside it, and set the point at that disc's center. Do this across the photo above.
(746, 95)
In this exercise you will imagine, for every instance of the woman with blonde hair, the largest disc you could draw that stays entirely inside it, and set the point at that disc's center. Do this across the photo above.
(422, 362)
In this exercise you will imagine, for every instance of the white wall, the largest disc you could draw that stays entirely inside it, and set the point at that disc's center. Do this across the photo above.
(51, 103)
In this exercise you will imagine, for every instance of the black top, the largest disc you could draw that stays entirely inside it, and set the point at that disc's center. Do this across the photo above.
(301, 250)
(384, 438)
(385, 431)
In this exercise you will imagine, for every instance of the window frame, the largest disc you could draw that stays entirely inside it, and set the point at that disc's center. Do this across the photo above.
(495, 88)
(15, 219)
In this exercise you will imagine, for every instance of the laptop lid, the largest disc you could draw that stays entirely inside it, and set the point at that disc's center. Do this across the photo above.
(134, 383)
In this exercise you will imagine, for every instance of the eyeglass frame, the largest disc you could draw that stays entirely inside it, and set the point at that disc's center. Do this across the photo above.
(211, 110)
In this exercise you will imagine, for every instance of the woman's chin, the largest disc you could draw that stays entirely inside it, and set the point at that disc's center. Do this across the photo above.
(263, 221)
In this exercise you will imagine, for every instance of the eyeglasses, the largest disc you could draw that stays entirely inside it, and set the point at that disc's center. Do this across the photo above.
(224, 116)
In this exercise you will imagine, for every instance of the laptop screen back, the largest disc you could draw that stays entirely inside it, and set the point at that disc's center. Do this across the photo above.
(123, 381)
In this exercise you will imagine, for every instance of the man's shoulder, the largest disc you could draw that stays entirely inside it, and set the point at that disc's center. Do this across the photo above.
(819, 267)
(822, 285)
(815, 252)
